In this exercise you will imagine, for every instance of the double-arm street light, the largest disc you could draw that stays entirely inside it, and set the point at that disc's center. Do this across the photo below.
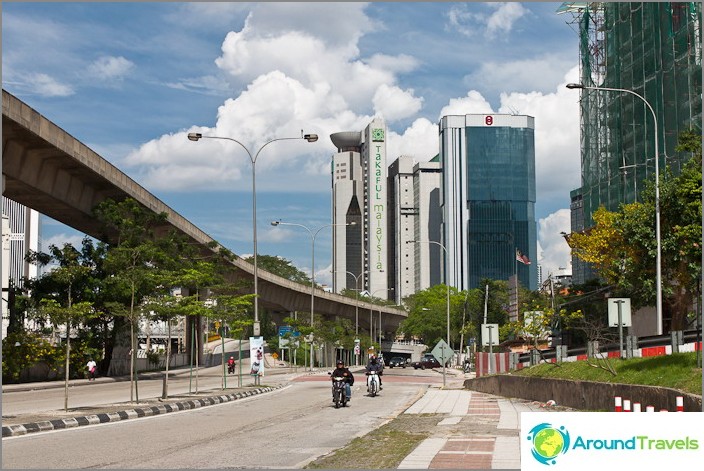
(658, 256)
(196, 136)
(446, 281)
(313, 235)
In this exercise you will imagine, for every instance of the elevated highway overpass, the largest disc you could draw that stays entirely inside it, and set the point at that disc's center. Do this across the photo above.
(47, 169)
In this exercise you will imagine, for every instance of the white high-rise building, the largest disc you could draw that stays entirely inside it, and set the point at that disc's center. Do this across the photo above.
(414, 215)
(359, 181)
(20, 233)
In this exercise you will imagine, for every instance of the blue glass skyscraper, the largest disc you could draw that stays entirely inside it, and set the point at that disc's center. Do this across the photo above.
(488, 199)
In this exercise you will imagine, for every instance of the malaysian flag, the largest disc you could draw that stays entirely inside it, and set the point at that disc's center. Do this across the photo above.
(522, 258)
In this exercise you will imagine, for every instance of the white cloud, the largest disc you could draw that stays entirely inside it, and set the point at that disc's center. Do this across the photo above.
(504, 18)
(420, 141)
(491, 24)
(109, 68)
(59, 240)
(473, 103)
(556, 137)
(44, 85)
(553, 251)
(393, 103)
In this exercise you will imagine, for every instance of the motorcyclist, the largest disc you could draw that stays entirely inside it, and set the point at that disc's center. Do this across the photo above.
(342, 371)
(375, 365)
(231, 365)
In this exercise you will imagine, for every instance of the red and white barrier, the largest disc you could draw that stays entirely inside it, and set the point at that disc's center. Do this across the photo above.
(624, 405)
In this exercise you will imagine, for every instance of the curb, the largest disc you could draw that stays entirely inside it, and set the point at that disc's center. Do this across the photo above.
(23, 429)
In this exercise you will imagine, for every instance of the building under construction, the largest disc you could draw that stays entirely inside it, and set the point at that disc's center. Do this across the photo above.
(654, 50)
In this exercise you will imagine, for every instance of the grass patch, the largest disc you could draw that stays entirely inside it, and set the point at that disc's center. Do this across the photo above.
(677, 371)
(383, 448)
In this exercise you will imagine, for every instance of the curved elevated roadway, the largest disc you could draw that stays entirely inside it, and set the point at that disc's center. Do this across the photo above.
(47, 169)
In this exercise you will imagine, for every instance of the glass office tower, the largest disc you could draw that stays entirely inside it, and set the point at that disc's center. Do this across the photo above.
(488, 199)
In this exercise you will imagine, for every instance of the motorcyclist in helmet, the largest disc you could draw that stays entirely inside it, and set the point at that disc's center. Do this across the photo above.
(231, 365)
(343, 371)
(375, 365)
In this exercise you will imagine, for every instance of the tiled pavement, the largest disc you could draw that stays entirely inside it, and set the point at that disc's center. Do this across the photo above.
(480, 431)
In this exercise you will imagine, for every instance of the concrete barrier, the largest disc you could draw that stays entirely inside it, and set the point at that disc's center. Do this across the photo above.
(582, 395)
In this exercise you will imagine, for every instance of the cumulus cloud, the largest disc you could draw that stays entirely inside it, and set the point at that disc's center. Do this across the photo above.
(393, 103)
(473, 103)
(109, 68)
(556, 137)
(553, 251)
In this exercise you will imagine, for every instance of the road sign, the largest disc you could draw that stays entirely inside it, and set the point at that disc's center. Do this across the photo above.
(625, 304)
(490, 330)
(442, 351)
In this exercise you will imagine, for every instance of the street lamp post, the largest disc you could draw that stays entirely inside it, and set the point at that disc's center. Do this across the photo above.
(356, 304)
(658, 256)
(196, 136)
(371, 322)
(313, 235)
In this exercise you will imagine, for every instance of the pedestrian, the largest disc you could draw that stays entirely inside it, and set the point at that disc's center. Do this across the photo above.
(91, 365)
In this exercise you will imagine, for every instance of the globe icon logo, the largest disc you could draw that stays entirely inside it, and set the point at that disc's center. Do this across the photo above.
(548, 442)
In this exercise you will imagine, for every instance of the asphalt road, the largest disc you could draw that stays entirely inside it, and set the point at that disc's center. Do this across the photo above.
(286, 428)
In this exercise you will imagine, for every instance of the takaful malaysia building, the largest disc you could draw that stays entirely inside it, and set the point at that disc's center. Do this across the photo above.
(359, 258)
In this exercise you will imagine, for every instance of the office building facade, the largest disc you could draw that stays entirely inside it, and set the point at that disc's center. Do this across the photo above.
(654, 50)
(487, 199)
(359, 193)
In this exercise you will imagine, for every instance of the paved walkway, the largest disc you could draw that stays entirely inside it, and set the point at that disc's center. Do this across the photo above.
(480, 431)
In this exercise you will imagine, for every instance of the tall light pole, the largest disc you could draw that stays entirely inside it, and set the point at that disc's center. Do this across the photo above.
(371, 323)
(313, 235)
(658, 256)
(447, 285)
(356, 303)
(196, 136)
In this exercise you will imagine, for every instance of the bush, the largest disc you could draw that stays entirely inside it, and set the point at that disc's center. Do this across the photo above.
(21, 350)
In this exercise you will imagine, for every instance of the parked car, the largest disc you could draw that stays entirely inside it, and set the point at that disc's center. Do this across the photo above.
(428, 361)
(397, 361)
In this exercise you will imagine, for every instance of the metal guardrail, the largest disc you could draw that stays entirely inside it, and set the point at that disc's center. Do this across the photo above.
(688, 336)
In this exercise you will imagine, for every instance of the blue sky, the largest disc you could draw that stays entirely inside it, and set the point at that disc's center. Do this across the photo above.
(130, 80)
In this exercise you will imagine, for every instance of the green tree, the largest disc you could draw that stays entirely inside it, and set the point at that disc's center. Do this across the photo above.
(622, 244)
(138, 250)
(67, 304)
(281, 267)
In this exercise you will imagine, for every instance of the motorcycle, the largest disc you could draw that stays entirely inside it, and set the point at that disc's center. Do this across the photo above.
(372, 383)
(339, 393)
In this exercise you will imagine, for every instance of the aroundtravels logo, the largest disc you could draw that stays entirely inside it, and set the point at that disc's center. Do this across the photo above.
(548, 442)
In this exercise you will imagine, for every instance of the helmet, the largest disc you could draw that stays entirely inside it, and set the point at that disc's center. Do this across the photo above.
(232, 358)
(340, 362)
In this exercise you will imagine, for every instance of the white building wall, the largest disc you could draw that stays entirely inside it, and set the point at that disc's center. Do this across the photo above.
(20, 233)
(427, 179)
(405, 215)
